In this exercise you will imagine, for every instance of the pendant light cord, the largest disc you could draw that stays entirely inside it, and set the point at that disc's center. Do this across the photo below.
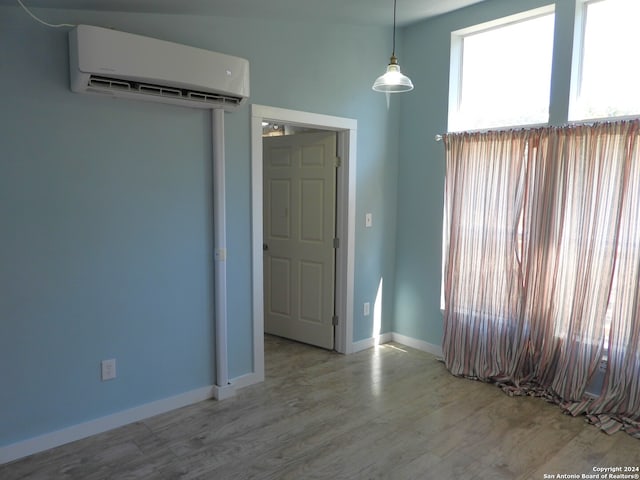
(393, 51)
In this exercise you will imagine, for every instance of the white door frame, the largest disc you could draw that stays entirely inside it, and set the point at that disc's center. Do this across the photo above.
(346, 129)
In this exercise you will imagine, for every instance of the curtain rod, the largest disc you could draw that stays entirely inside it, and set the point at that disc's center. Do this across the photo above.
(589, 123)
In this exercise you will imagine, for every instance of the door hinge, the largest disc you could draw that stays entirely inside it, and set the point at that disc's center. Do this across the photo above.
(336, 243)
(334, 320)
(338, 162)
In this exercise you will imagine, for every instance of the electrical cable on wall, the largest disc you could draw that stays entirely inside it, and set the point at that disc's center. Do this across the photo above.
(52, 25)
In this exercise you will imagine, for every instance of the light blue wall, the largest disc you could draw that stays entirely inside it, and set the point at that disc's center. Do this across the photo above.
(105, 240)
(421, 167)
(105, 204)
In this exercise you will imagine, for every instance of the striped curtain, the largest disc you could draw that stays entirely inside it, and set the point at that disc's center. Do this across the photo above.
(542, 264)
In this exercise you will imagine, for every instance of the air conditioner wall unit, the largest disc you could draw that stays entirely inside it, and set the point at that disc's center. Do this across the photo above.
(105, 61)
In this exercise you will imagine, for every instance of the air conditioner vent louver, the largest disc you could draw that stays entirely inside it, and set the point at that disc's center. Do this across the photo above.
(106, 83)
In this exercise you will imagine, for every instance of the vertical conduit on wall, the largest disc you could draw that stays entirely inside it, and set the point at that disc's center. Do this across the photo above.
(220, 247)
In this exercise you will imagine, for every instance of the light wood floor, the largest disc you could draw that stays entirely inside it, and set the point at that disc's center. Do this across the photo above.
(388, 412)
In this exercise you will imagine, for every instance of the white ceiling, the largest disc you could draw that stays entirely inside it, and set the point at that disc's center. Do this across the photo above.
(359, 12)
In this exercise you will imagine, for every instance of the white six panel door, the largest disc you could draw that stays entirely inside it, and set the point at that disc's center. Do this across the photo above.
(299, 228)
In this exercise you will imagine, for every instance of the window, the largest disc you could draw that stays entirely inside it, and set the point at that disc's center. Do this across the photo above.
(501, 72)
(606, 71)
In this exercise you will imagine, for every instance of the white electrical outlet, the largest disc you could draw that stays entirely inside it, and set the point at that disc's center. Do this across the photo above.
(367, 309)
(108, 369)
(368, 220)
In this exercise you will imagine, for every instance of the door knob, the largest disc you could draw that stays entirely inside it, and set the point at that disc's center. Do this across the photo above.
(265, 247)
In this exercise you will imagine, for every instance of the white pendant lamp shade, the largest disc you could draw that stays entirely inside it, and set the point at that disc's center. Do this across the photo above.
(393, 81)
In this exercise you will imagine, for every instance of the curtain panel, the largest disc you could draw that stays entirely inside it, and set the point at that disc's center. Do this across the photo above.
(542, 264)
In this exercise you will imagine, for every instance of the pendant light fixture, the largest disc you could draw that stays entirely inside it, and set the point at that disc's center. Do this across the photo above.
(393, 81)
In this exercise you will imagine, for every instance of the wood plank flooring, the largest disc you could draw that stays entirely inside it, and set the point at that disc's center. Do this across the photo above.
(388, 412)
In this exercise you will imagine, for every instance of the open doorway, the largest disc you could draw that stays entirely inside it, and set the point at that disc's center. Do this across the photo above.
(346, 131)
(299, 172)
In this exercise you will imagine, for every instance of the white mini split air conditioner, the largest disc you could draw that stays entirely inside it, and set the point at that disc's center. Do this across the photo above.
(105, 61)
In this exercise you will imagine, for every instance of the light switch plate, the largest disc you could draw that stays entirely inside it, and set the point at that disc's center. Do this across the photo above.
(108, 369)
(368, 220)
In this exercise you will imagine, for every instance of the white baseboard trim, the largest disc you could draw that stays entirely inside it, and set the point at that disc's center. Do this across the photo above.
(82, 430)
(228, 391)
(99, 425)
(370, 342)
(399, 338)
(224, 392)
(417, 344)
